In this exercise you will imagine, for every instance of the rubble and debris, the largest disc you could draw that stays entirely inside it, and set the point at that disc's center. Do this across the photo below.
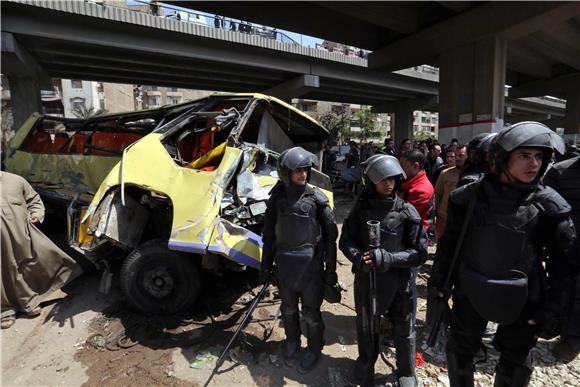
(206, 359)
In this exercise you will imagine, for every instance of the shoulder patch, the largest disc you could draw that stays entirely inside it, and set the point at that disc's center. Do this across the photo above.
(321, 198)
(551, 202)
(411, 213)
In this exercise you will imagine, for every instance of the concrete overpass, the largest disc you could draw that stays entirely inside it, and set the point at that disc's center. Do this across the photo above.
(478, 46)
(83, 40)
(71, 39)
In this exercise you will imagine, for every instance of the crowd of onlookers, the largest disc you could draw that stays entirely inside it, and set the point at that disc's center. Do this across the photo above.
(441, 164)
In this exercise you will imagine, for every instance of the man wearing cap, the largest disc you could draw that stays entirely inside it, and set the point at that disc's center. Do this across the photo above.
(300, 239)
(499, 232)
(402, 247)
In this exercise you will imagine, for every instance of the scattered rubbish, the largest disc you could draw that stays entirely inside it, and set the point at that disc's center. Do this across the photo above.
(205, 360)
(443, 379)
(98, 341)
(419, 360)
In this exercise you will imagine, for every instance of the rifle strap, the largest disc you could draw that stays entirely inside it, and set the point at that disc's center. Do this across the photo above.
(461, 238)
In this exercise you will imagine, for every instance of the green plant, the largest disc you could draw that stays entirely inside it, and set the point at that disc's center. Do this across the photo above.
(336, 124)
(423, 136)
(367, 121)
(6, 123)
(83, 112)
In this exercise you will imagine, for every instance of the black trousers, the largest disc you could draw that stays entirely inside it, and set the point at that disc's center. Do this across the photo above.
(399, 309)
(513, 341)
(572, 329)
(310, 296)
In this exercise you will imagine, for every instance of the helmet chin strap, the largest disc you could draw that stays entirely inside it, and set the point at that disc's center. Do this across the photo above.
(510, 178)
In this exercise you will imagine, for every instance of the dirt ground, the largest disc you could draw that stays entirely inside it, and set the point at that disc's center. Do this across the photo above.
(91, 339)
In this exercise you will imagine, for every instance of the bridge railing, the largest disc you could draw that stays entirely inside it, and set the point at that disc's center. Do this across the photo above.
(160, 9)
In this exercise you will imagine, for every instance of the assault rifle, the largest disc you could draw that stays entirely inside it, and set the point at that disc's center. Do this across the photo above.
(440, 304)
(374, 230)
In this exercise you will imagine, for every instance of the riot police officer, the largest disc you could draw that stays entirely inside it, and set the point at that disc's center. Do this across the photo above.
(300, 238)
(477, 165)
(512, 222)
(402, 247)
(564, 177)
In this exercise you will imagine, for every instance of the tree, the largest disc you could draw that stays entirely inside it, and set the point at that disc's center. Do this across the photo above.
(6, 124)
(423, 136)
(337, 124)
(83, 112)
(367, 122)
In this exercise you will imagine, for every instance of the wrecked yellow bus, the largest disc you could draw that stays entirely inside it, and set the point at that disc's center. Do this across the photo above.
(190, 196)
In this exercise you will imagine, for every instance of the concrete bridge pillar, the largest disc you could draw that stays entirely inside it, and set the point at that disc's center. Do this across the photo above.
(403, 124)
(572, 119)
(471, 89)
(25, 98)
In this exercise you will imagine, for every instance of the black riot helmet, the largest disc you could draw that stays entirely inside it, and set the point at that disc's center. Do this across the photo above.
(379, 167)
(292, 159)
(524, 134)
(478, 147)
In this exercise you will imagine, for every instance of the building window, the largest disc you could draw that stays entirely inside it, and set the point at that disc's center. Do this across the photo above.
(78, 103)
(173, 89)
(76, 83)
(173, 100)
(155, 100)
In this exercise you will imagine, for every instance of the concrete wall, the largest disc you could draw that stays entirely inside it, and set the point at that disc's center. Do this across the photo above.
(118, 98)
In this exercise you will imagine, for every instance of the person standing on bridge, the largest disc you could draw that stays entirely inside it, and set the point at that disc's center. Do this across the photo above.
(300, 239)
(402, 247)
(503, 233)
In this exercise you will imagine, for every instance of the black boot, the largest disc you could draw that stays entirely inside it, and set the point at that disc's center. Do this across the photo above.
(405, 350)
(512, 375)
(308, 362)
(460, 369)
(291, 347)
(290, 353)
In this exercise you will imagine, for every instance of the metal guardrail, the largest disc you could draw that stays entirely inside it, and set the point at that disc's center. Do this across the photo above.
(282, 43)
(160, 9)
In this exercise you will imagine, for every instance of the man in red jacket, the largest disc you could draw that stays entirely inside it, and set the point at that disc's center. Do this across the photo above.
(417, 189)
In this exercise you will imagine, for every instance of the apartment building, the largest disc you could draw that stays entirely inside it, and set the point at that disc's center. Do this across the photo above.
(156, 96)
(112, 97)
(424, 121)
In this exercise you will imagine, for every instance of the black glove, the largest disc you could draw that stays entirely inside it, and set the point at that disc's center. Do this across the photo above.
(383, 259)
(356, 260)
(330, 278)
